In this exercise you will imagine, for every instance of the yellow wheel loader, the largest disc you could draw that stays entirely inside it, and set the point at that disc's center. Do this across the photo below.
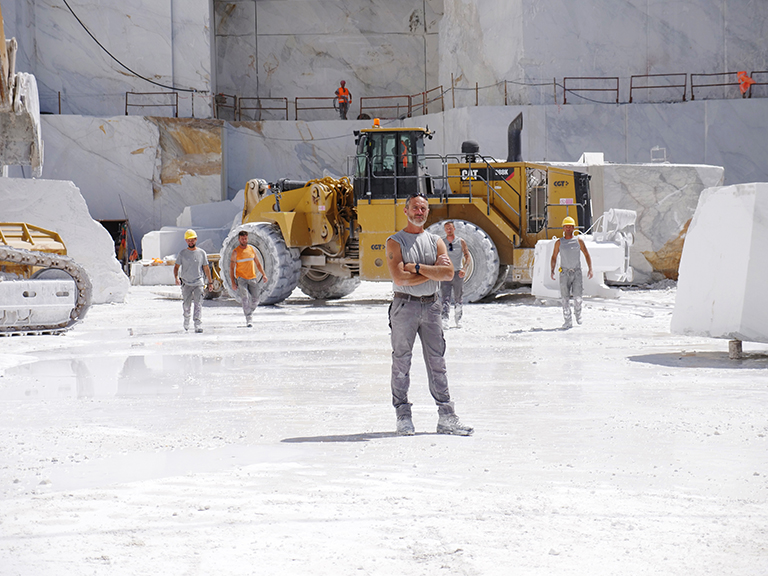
(326, 235)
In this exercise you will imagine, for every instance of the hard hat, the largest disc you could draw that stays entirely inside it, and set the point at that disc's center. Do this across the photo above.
(343, 82)
(568, 221)
(189, 234)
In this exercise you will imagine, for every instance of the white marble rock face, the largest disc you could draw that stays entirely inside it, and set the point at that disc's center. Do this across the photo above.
(289, 49)
(141, 168)
(155, 39)
(59, 206)
(724, 268)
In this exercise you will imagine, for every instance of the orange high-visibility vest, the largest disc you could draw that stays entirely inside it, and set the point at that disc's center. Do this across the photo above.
(404, 154)
(343, 94)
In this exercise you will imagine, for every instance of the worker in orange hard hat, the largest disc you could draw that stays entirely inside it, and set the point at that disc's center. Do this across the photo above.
(570, 248)
(343, 97)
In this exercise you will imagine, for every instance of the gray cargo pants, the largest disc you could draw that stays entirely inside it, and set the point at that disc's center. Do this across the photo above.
(407, 318)
(249, 292)
(457, 287)
(571, 283)
(192, 295)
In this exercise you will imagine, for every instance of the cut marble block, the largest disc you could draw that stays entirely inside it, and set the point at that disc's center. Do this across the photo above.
(724, 267)
(169, 241)
(606, 257)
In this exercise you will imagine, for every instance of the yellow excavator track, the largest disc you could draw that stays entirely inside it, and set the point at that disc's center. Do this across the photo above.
(50, 302)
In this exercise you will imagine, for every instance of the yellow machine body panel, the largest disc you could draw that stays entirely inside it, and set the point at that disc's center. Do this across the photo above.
(28, 237)
(377, 220)
(307, 216)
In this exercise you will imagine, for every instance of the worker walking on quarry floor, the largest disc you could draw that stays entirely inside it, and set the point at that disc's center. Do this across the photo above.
(459, 256)
(190, 270)
(343, 97)
(570, 248)
(243, 264)
(417, 262)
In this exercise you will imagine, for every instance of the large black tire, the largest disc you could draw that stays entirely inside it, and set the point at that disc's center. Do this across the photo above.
(281, 264)
(502, 277)
(482, 270)
(321, 286)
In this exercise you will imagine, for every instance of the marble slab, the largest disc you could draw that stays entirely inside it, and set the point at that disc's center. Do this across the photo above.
(724, 269)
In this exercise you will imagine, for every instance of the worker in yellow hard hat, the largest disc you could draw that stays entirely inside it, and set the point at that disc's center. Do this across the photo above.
(570, 248)
(189, 271)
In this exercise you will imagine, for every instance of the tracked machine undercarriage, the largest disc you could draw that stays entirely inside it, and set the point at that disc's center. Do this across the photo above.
(42, 291)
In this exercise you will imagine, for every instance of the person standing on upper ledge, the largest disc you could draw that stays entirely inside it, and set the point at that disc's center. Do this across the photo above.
(343, 97)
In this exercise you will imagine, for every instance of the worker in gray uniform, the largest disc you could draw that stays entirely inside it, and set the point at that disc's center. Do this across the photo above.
(417, 262)
(570, 248)
(459, 254)
(190, 270)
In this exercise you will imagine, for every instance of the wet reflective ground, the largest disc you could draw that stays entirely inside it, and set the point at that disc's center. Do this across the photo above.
(614, 440)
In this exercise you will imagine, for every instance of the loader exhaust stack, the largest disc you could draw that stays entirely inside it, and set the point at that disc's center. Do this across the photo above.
(514, 147)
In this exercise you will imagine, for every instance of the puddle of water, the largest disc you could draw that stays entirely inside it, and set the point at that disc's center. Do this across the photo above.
(142, 466)
(114, 376)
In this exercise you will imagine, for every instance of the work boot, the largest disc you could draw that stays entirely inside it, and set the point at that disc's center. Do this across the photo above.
(567, 325)
(450, 424)
(186, 324)
(405, 426)
(199, 329)
(446, 324)
(248, 322)
(578, 318)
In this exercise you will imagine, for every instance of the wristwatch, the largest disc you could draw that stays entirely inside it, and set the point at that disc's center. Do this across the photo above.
(418, 267)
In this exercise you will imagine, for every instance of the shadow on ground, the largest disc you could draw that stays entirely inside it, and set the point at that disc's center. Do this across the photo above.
(362, 437)
(756, 361)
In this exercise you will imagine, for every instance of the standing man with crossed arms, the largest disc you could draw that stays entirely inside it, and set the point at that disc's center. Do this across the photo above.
(418, 262)
(243, 264)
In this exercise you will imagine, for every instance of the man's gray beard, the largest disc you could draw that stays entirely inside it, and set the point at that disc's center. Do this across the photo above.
(419, 224)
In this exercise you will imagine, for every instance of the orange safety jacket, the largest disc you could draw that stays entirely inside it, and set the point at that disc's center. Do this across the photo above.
(343, 94)
(245, 258)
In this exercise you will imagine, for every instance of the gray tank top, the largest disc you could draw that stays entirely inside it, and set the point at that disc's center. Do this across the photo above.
(570, 253)
(421, 249)
(455, 254)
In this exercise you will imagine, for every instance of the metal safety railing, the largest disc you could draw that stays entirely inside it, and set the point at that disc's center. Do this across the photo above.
(174, 101)
(301, 99)
(591, 85)
(245, 103)
(759, 74)
(724, 80)
(402, 105)
(223, 102)
(644, 82)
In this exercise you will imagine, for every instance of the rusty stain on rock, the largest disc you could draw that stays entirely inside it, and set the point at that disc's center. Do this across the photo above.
(667, 259)
(188, 147)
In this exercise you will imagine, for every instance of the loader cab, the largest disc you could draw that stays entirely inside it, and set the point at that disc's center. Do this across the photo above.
(389, 163)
